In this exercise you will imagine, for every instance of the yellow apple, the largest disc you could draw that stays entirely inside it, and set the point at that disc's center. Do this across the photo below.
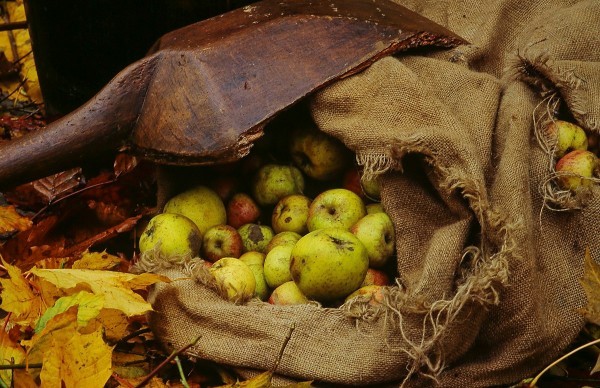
(288, 294)
(290, 214)
(255, 260)
(376, 232)
(201, 205)
(277, 265)
(567, 137)
(234, 279)
(335, 208)
(274, 181)
(283, 238)
(172, 235)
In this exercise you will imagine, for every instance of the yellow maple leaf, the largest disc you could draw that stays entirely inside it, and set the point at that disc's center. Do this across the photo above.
(19, 299)
(89, 306)
(97, 260)
(11, 221)
(591, 285)
(10, 353)
(114, 322)
(16, 12)
(117, 287)
(76, 360)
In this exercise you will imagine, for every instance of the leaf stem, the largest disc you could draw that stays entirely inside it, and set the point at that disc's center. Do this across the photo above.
(166, 361)
(20, 366)
(181, 374)
(536, 378)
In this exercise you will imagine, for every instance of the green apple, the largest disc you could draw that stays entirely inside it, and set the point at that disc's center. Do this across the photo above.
(567, 137)
(274, 181)
(172, 235)
(371, 188)
(283, 238)
(277, 265)
(255, 237)
(376, 207)
(335, 208)
(234, 279)
(221, 241)
(376, 232)
(319, 155)
(329, 264)
(372, 294)
(288, 294)
(575, 168)
(255, 260)
(290, 214)
(201, 205)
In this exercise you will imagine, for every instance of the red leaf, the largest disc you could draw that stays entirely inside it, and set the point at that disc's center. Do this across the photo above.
(57, 185)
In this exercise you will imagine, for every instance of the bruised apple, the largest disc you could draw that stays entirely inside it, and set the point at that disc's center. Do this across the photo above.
(290, 214)
(328, 264)
(255, 237)
(172, 235)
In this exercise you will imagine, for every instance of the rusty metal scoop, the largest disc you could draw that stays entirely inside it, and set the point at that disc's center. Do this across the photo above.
(204, 92)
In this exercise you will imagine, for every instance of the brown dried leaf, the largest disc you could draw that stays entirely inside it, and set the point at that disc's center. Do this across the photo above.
(12, 222)
(54, 186)
(124, 163)
(591, 285)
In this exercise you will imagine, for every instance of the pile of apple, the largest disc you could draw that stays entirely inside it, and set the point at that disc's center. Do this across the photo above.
(288, 229)
(574, 152)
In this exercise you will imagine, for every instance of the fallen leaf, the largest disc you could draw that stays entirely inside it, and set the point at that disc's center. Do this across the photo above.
(117, 287)
(262, 380)
(97, 260)
(124, 163)
(89, 306)
(80, 360)
(54, 186)
(19, 299)
(12, 222)
(591, 286)
(10, 353)
(114, 322)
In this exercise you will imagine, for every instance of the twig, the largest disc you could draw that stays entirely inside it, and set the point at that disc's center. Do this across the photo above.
(536, 378)
(20, 366)
(165, 362)
(133, 335)
(121, 380)
(181, 374)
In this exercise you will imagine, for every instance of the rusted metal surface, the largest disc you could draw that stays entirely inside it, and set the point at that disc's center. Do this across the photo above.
(204, 92)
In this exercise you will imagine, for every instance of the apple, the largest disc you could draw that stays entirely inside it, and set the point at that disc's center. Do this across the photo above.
(277, 265)
(283, 238)
(274, 181)
(201, 205)
(371, 188)
(376, 277)
(339, 208)
(575, 168)
(172, 235)
(376, 232)
(375, 207)
(290, 214)
(234, 279)
(255, 237)
(221, 241)
(288, 294)
(255, 260)
(329, 264)
(372, 294)
(567, 137)
(319, 155)
(225, 186)
(242, 209)
(351, 181)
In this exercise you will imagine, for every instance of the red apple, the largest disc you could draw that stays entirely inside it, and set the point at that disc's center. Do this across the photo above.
(241, 210)
(351, 181)
(221, 241)
(376, 277)
(575, 168)
(225, 186)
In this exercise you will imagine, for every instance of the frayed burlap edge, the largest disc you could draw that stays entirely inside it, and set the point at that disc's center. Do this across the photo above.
(550, 82)
(481, 284)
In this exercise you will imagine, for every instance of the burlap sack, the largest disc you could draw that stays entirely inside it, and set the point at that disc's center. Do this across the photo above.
(489, 260)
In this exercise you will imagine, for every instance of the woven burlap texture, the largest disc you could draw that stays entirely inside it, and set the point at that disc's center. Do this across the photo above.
(488, 286)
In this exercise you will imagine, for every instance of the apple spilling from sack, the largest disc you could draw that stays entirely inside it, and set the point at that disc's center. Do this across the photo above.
(575, 151)
(288, 229)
